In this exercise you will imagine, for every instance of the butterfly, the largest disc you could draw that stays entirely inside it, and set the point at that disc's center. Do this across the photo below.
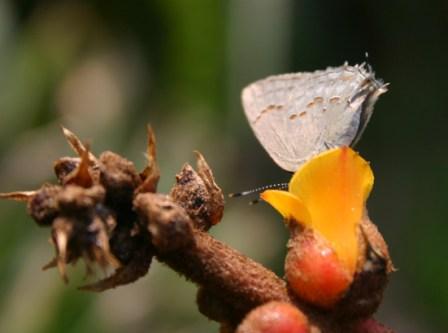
(297, 116)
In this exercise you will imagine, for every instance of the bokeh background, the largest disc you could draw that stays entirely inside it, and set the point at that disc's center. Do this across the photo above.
(106, 68)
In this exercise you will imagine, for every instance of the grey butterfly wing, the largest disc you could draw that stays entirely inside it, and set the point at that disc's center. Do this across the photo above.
(295, 116)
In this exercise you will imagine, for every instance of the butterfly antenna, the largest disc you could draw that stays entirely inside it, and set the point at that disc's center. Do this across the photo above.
(279, 186)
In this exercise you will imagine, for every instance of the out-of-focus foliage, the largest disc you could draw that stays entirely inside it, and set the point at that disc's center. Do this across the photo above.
(105, 68)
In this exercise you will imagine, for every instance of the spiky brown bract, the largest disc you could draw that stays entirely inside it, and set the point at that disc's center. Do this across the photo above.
(373, 271)
(107, 213)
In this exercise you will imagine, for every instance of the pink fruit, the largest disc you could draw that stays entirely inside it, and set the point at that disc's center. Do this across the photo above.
(313, 270)
(275, 317)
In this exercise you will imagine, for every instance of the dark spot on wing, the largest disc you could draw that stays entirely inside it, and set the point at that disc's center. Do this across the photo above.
(293, 116)
(335, 100)
(310, 104)
(276, 107)
(301, 114)
(318, 100)
(324, 109)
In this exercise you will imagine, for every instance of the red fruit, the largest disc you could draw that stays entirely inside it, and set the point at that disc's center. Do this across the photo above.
(313, 270)
(275, 317)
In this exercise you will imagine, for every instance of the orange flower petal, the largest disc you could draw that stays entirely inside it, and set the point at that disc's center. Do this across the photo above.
(334, 187)
(288, 205)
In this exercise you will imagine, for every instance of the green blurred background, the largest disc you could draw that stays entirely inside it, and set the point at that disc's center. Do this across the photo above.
(106, 68)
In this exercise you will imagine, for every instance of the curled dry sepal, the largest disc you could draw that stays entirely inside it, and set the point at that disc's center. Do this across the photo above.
(105, 212)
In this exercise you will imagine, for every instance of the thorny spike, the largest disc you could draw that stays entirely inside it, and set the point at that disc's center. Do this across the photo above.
(52, 263)
(88, 263)
(103, 284)
(151, 173)
(81, 175)
(108, 256)
(77, 145)
(61, 239)
(151, 150)
(126, 274)
(102, 242)
(98, 257)
(205, 172)
(204, 169)
(19, 195)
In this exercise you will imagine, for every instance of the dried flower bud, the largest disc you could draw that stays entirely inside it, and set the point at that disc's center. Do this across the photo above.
(119, 177)
(43, 206)
(198, 193)
(65, 166)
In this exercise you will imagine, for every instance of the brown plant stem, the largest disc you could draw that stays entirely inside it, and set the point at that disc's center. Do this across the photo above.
(228, 273)
(231, 283)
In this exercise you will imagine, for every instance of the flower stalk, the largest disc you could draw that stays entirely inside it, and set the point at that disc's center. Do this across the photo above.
(106, 213)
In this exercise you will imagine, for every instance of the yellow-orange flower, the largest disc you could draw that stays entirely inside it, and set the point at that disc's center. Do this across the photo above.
(328, 195)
